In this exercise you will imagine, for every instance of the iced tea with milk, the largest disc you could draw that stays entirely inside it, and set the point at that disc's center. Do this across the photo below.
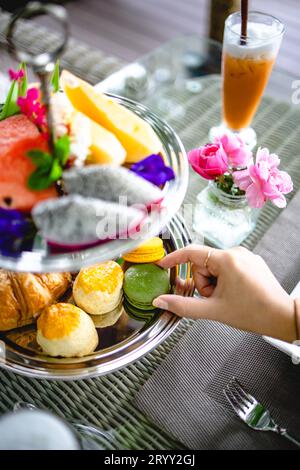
(246, 68)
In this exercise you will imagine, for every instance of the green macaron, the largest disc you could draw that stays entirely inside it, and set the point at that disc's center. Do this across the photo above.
(138, 314)
(143, 283)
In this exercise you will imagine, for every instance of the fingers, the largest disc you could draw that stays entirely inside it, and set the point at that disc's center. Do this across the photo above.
(206, 290)
(188, 307)
(204, 284)
(192, 253)
(207, 259)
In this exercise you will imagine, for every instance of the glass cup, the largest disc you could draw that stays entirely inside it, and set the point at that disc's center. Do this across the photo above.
(246, 68)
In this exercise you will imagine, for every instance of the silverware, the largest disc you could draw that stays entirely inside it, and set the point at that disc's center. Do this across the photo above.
(253, 413)
(43, 63)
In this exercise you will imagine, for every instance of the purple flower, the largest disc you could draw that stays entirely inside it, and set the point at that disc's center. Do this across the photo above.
(153, 169)
(14, 226)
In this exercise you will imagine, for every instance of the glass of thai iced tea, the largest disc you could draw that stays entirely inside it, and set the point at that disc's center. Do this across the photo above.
(247, 64)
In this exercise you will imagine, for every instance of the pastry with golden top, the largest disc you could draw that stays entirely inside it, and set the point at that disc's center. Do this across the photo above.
(148, 252)
(98, 289)
(24, 295)
(65, 330)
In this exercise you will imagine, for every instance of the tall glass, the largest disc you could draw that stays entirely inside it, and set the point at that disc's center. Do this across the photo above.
(246, 68)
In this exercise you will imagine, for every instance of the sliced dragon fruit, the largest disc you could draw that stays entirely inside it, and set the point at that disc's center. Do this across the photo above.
(111, 184)
(73, 221)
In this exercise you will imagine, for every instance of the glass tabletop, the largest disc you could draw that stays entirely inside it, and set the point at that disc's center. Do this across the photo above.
(181, 82)
(179, 65)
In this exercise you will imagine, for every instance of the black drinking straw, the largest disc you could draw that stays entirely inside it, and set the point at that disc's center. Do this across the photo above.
(244, 14)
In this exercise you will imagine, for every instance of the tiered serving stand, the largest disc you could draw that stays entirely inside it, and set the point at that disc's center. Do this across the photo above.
(129, 338)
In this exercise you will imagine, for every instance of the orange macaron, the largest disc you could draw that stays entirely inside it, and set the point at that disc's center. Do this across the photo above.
(148, 252)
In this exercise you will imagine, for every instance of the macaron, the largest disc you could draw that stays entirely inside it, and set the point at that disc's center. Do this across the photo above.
(143, 283)
(98, 289)
(148, 252)
(137, 314)
(65, 330)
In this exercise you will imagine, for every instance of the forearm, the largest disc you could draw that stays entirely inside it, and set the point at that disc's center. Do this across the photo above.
(281, 322)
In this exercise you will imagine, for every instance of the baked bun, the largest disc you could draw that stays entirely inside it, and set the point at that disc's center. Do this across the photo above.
(65, 330)
(98, 289)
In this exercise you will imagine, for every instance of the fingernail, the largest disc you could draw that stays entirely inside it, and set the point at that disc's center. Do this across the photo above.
(159, 303)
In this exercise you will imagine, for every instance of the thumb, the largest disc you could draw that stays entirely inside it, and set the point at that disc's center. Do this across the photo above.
(189, 307)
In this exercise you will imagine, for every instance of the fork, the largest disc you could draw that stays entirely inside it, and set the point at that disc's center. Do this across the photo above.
(253, 413)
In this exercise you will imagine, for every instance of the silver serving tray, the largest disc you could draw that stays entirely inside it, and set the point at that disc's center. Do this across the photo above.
(41, 260)
(119, 345)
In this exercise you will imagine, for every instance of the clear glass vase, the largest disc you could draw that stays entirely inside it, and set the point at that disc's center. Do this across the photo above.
(224, 220)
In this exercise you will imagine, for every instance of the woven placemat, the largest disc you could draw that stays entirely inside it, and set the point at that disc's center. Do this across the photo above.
(106, 401)
(185, 395)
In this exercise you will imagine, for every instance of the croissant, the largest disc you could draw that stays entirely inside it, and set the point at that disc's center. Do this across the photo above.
(24, 295)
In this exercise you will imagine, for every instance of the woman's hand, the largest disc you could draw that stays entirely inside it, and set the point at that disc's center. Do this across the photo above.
(237, 288)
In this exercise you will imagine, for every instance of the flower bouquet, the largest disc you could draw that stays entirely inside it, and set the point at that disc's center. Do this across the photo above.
(239, 185)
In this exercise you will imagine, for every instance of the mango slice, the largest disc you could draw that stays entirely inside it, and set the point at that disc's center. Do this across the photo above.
(136, 135)
(105, 147)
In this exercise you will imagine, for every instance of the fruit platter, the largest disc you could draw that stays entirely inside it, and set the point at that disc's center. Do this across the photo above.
(105, 176)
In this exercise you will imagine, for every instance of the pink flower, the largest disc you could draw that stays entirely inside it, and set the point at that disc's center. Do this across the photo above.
(263, 180)
(27, 104)
(32, 108)
(237, 153)
(40, 115)
(16, 75)
(209, 161)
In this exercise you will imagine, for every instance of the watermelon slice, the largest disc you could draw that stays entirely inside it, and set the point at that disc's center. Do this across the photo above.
(17, 136)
